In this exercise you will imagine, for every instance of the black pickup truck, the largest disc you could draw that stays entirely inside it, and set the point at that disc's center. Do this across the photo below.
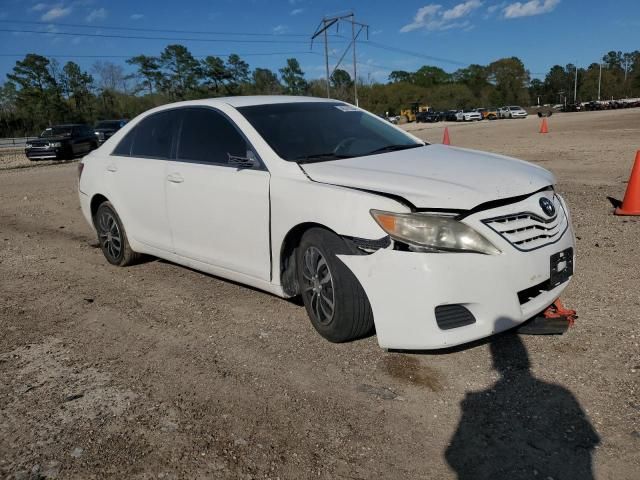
(62, 142)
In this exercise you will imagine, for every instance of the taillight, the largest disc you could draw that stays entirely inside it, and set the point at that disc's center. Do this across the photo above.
(80, 168)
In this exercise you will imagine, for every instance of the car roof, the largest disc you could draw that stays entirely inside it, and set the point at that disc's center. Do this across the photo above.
(248, 101)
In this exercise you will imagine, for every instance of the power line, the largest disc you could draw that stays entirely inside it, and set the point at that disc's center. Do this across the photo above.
(130, 56)
(157, 30)
(140, 37)
(414, 54)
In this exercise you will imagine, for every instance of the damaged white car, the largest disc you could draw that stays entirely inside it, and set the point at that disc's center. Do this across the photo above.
(431, 245)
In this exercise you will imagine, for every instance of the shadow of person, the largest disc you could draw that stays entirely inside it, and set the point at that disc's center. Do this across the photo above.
(521, 427)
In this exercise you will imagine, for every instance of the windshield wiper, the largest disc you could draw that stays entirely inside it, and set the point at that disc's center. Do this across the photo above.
(320, 157)
(394, 148)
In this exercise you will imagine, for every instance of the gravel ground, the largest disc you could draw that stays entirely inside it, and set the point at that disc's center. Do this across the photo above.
(12, 158)
(158, 371)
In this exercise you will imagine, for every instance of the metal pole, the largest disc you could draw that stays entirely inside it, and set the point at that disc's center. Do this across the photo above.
(326, 60)
(355, 71)
(599, 82)
(575, 88)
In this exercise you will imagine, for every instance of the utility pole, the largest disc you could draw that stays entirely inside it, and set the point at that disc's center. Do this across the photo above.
(326, 61)
(355, 71)
(323, 27)
(575, 88)
(599, 82)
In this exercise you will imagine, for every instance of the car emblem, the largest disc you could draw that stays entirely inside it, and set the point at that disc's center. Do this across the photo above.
(547, 206)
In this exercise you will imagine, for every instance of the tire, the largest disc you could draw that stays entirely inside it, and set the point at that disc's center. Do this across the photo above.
(323, 277)
(111, 233)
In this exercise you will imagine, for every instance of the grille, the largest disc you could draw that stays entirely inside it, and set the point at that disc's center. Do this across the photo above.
(527, 231)
(453, 316)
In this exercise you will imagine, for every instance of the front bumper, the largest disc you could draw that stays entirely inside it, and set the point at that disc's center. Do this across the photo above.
(404, 289)
(43, 153)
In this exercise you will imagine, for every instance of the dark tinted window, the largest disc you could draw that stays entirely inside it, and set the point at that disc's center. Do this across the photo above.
(208, 136)
(57, 132)
(154, 135)
(124, 147)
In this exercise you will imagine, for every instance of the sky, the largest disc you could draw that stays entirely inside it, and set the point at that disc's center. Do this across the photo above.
(402, 34)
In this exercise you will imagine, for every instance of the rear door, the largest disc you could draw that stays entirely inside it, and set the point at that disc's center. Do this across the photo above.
(219, 213)
(136, 172)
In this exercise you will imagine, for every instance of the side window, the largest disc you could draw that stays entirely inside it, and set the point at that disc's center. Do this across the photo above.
(154, 136)
(124, 147)
(209, 137)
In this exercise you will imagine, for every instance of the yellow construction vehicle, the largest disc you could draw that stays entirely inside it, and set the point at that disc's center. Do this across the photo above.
(410, 113)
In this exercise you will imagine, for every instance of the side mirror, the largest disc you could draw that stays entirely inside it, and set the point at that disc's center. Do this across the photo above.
(241, 163)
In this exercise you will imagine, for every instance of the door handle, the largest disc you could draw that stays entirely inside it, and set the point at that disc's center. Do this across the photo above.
(112, 168)
(175, 178)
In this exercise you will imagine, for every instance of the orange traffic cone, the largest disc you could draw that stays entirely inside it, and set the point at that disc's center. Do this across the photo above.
(544, 128)
(631, 203)
(445, 138)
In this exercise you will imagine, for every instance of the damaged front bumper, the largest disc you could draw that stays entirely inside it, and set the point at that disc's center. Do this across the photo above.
(436, 300)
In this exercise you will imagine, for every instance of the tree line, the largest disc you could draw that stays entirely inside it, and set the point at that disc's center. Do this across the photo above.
(41, 92)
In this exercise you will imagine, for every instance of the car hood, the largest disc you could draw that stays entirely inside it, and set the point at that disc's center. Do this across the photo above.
(105, 130)
(435, 176)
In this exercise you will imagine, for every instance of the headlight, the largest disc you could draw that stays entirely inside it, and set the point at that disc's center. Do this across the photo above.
(29, 145)
(55, 144)
(433, 232)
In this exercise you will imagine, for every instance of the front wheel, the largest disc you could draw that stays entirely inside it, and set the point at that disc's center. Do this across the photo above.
(335, 301)
(112, 237)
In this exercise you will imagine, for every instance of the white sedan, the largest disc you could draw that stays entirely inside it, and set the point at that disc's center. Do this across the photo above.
(430, 245)
(468, 116)
(512, 112)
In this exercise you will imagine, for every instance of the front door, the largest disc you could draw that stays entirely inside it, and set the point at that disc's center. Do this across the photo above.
(219, 213)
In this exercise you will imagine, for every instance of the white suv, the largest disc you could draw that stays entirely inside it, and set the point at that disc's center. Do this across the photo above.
(433, 245)
(512, 112)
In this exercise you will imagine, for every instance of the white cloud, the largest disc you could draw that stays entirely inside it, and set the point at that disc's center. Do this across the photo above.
(55, 12)
(528, 9)
(297, 11)
(493, 8)
(280, 29)
(461, 10)
(38, 7)
(97, 14)
(136, 16)
(433, 17)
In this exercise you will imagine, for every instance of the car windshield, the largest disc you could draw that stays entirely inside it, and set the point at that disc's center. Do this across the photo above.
(320, 131)
(57, 132)
(515, 108)
(114, 124)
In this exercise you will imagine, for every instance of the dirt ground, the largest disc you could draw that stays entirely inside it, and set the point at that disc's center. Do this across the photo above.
(157, 371)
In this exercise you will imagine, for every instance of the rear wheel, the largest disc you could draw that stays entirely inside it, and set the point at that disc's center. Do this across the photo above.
(334, 299)
(112, 237)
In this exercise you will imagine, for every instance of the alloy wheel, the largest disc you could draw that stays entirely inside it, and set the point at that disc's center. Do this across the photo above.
(318, 285)
(110, 235)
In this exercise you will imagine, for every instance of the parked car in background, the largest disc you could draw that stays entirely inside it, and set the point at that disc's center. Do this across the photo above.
(490, 113)
(468, 116)
(317, 198)
(512, 112)
(62, 142)
(106, 128)
(451, 115)
(428, 117)
(572, 107)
